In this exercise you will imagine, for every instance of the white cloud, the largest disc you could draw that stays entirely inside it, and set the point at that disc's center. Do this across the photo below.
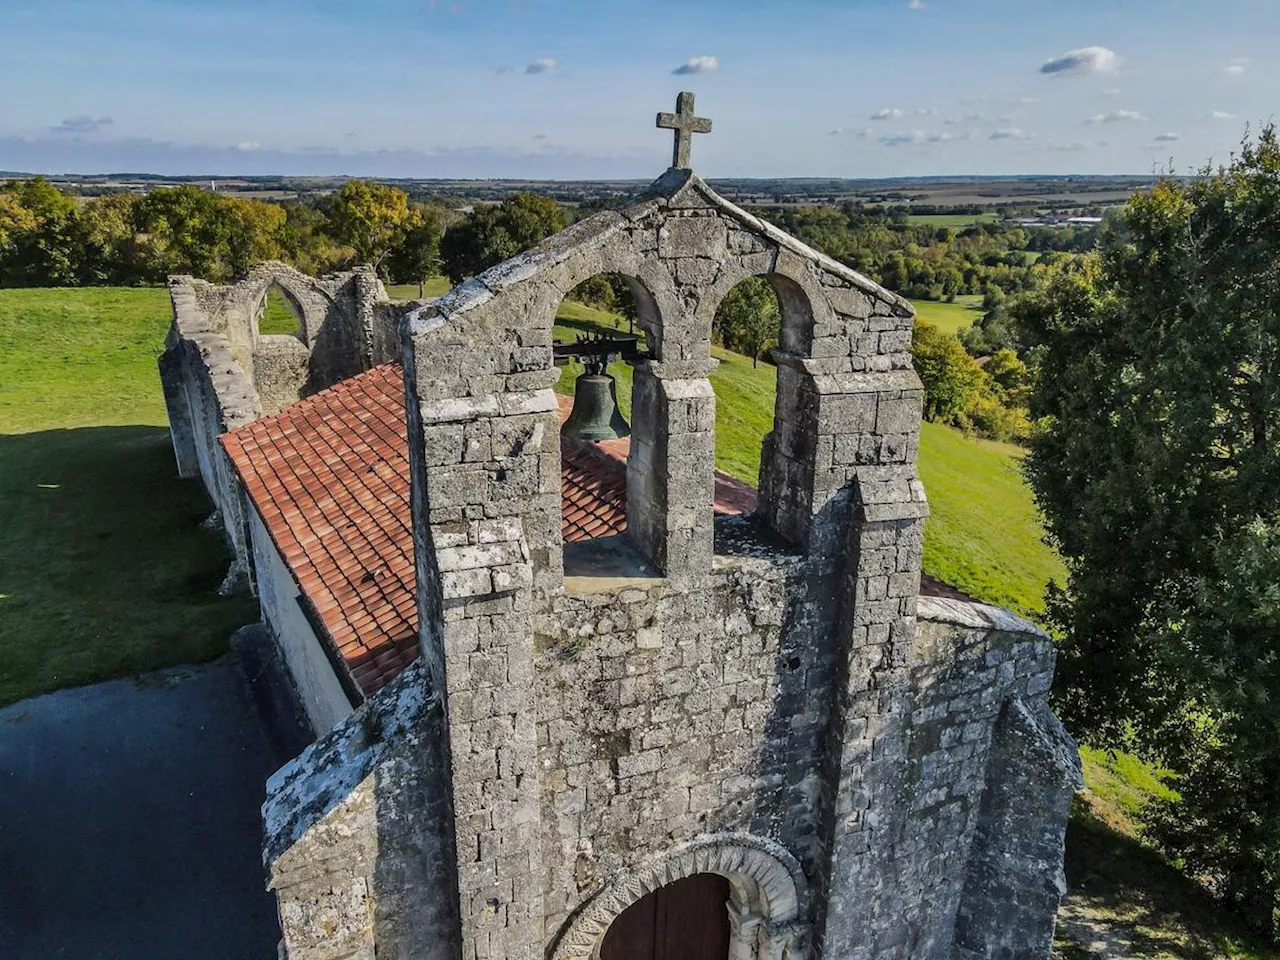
(543, 65)
(1084, 60)
(1220, 115)
(1070, 146)
(947, 136)
(916, 5)
(952, 121)
(1028, 100)
(926, 112)
(83, 124)
(1234, 70)
(845, 131)
(1168, 137)
(1012, 133)
(1118, 116)
(703, 64)
(1111, 92)
(888, 113)
(248, 145)
(902, 139)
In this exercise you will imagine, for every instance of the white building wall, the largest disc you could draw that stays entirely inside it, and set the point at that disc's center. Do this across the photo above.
(313, 676)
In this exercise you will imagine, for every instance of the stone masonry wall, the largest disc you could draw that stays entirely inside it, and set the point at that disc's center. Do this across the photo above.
(219, 373)
(766, 698)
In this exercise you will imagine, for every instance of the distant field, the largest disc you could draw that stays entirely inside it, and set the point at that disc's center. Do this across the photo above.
(105, 570)
(435, 287)
(957, 220)
(949, 317)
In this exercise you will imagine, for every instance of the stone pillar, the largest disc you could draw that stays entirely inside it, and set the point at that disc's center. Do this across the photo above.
(486, 507)
(1015, 882)
(181, 428)
(671, 471)
(854, 446)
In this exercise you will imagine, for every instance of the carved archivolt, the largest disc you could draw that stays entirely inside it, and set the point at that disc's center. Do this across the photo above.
(767, 898)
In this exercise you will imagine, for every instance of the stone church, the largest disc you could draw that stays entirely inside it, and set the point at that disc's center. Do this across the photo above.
(581, 700)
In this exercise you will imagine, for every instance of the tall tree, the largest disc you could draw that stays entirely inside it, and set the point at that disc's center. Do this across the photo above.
(254, 232)
(39, 229)
(416, 257)
(105, 238)
(368, 217)
(493, 234)
(1159, 475)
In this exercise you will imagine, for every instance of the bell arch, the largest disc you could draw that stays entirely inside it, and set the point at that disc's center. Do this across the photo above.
(768, 897)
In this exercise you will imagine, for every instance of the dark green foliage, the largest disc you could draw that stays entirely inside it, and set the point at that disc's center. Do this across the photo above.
(748, 318)
(1159, 474)
(417, 256)
(496, 233)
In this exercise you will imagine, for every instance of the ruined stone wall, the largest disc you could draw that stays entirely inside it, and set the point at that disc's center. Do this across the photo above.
(218, 372)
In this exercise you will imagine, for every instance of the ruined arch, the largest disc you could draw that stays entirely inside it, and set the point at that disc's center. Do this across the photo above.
(768, 897)
(264, 302)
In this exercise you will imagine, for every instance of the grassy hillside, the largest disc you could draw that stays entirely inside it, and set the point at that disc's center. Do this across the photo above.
(949, 317)
(104, 568)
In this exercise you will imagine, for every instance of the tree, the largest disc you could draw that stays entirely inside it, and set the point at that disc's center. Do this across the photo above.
(253, 232)
(105, 238)
(416, 257)
(368, 217)
(748, 318)
(184, 230)
(1158, 472)
(39, 235)
(493, 234)
(951, 378)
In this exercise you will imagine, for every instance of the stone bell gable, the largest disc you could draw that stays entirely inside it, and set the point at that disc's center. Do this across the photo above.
(764, 700)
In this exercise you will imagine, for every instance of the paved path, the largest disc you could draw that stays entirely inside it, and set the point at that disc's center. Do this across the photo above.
(129, 822)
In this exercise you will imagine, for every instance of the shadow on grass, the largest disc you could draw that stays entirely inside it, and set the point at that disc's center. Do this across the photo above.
(1125, 884)
(105, 570)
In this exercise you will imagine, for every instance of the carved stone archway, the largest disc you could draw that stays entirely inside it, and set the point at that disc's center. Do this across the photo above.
(768, 898)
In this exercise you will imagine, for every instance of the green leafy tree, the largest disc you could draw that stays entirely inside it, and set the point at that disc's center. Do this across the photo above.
(748, 318)
(253, 232)
(951, 378)
(493, 234)
(39, 233)
(370, 218)
(184, 230)
(106, 240)
(1158, 471)
(416, 257)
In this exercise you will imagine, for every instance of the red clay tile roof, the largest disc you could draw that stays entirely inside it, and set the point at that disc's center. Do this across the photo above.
(329, 476)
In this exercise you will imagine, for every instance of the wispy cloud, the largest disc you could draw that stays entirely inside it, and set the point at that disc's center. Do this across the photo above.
(845, 131)
(1069, 146)
(947, 136)
(1118, 116)
(926, 112)
(888, 113)
(1084, 60)
(916, 5)
(903, 139)
(83, 124)
(1167, 138)
(1220, 115)
(1111, 92)
(543, 65)
(248, 145)
(703, 64)
(1012, 133)
(1237, 67)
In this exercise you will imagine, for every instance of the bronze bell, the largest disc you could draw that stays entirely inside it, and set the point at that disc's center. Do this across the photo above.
(595, 415)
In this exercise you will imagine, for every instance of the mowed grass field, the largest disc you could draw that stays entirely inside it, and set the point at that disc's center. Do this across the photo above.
(949, 317)
(105, 570)
(956, 220)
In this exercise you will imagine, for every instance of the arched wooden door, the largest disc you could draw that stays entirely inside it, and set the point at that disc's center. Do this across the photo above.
(685, 920)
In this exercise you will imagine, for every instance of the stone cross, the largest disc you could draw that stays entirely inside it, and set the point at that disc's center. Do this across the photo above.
(685, 124)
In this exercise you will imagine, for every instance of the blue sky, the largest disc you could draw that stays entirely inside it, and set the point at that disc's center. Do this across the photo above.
(533, 88)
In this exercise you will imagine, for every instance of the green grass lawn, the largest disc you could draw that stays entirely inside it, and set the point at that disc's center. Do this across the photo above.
(949, 317)
(435, 287)
(105, 570)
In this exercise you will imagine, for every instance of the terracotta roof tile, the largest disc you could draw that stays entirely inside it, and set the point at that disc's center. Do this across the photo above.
(329, 476)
